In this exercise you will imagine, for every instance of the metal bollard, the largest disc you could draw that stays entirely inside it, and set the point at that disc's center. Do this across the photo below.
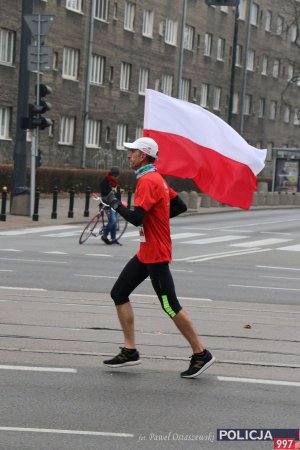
(35, 215)
(71, 205)
(129, 198)
(87, 202)
(54, 203)
(3, 205)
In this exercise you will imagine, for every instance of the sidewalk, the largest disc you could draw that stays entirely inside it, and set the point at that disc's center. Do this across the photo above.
(45, 210)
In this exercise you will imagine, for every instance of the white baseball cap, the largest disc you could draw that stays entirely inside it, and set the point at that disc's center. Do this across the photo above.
(144, 144)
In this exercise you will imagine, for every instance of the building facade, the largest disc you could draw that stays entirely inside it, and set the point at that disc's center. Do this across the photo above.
(107, 52)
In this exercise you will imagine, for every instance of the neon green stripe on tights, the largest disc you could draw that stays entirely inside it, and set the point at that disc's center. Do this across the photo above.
(167, 307)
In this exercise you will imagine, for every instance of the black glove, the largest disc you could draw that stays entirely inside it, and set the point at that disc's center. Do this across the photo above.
(111, 200)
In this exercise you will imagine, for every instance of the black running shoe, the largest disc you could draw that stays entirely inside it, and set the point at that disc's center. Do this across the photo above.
(124, 358)
(106, 240)
(198, 364)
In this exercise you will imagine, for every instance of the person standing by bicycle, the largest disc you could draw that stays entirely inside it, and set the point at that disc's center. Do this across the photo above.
(109, 183)
(154, 204)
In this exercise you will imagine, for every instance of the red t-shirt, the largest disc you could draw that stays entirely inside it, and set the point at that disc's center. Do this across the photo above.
(153, 195)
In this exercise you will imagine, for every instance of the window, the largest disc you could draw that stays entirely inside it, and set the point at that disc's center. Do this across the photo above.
(250, 60)
(217, 99)
(268, 22)
(171, 32)
(67, 129)
(239, 55)
(97, 70)
(235, 103)
(115, 11)
(243, 9)
(221, 49)
(287, 114)
(5, 119)
(279, 25)
(273, 109)
(125, 76)
(185, 87)
(121, 136)
(276, 67)
(55, 61)
(188, 37)
(290, 72)
(70, 63)
(167, 84)
(138, 132)
(261, 108)
(248, 105)
(74, 5)
(254, 14)
(93, 133)
(107, 135)
(208, 44)
(296, 116)
(129, 16)
(264, 65)
(101, 10)
(7, 45)
(204, 95)
(143, 80)
(148, 20)
(293, 31)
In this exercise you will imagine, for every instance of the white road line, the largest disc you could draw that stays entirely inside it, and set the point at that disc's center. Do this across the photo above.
(22, 288)
(94, 276)
(279, 268)
(9, 250)
(260, 381)
(185, 235)
(190, 258)
(275, 232)
(98, 254)
(54, 431)
(216, 239)
(279, 278)
(39, 369)
(33, 260)
(263, 287)
(5, 270)
(35, 230)
(291, 248)
(61, 235)
(245, 252)
(260, 243)
(55, 253)
(180, 298)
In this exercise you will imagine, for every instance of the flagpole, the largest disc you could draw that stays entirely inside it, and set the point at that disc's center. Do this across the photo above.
(181, 51)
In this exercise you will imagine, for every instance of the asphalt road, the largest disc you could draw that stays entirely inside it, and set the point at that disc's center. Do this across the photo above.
(238, 275)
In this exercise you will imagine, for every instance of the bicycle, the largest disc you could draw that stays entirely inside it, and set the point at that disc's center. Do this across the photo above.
(101, 220)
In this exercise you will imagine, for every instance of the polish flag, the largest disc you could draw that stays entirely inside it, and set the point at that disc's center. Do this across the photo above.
(194, 143)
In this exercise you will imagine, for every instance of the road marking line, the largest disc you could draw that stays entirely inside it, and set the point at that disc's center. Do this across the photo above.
(5, 270)
(94, 276)
(279, 268)
(243, 252)
(260, 381)
(277, 278)
(263, 287)
(39, 369)
(189, 258)
(180, 298)
(9, 250)
(216, 239)
(97, 254)
(33, 260)
(35, 230)
(260, 243)
(55, 253)
(291, 248)
(54, 431)
(22, 288)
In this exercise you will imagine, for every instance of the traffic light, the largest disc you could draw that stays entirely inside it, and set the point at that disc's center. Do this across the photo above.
(222, 2)
(38, 159)
(35, 111)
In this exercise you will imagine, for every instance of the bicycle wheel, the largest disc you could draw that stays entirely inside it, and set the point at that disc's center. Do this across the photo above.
(89, 228)
(121, 226)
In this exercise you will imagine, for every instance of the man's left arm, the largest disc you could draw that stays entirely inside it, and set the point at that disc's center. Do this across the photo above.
(177, 206)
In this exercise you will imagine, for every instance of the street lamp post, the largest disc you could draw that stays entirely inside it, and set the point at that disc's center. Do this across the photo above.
(181, 51)
(233, 61)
